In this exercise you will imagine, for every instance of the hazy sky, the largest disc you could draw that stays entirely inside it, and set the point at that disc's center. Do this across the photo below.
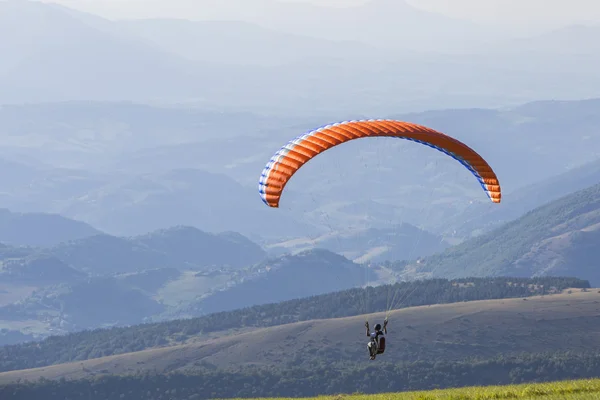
(538, 12)
(519, 11)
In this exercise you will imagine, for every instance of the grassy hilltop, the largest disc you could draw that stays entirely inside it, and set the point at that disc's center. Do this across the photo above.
(568, 390)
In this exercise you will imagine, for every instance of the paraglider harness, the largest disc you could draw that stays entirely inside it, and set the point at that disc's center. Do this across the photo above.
(377, 344)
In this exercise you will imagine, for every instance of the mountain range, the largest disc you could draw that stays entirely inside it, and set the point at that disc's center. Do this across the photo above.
(165, 274)
(183, 272)
(77, 51)
(122, 188)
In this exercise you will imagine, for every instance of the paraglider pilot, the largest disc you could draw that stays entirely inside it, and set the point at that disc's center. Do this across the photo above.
(377, 343)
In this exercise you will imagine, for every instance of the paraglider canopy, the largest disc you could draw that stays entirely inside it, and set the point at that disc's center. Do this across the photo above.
(291, 157)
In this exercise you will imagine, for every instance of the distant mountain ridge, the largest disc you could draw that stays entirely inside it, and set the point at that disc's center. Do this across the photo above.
(309, 273)
(41, 229)
(518, 202)
(246, 42)
(418, 44)
(397, 242)
(181, 247)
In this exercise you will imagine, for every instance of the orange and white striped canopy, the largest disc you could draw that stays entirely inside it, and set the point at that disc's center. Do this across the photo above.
(291, 157)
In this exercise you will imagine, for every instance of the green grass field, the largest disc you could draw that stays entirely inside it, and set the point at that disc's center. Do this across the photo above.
(570, 390)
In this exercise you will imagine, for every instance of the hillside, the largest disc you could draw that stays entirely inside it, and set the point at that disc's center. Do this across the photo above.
(482, 217)
(179, 247)
(119, 340)
(452, 332)
(173, 273)
(88, 304)
(559, 238)
(371, 244)
(151, 280)
(192, 247)
(38, 270)
(272, 280)
(54, 289)
(149, 202)
(40, 229)
(306, 274)
(106, 254)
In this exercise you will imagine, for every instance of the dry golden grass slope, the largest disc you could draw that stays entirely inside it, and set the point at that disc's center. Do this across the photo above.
(450, 331)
